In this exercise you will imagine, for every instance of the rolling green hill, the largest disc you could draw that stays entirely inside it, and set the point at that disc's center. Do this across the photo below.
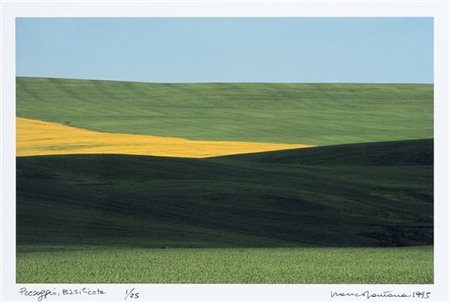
(396, 153)
(317, 114)
(292, 198)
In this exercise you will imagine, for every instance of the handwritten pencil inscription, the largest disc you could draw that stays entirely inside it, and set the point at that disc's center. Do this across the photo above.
(385, 294)
(44, 294)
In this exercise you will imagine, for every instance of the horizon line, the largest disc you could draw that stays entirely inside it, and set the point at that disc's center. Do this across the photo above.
(230, 82)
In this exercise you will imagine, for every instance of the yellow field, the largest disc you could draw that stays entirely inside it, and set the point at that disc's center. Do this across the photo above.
(44, 138)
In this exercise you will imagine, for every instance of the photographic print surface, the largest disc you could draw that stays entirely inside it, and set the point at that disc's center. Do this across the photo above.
(224, 150)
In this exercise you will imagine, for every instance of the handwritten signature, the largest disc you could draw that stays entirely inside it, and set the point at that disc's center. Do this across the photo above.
(386, 294)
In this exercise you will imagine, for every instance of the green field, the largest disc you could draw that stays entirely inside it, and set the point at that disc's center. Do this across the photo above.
(262, 265)
(316, 114)
(229, 201)
(357, 209)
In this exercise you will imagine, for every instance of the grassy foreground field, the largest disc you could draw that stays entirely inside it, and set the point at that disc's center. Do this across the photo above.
(312, 114)
(276, 265)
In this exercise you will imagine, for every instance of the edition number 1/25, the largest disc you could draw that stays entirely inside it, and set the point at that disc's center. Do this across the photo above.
(131, 294)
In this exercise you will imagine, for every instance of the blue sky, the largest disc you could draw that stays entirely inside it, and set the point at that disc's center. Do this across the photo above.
(361, 50)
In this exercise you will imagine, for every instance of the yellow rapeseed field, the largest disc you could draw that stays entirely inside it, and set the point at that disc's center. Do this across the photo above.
(36, 137)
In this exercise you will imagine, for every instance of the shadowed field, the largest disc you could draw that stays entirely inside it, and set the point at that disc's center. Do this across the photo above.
(220, 202)
(275, 217)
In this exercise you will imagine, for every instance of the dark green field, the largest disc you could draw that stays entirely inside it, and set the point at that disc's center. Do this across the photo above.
(357, 209)
(230, 201)
(316, 114)
(99, 213)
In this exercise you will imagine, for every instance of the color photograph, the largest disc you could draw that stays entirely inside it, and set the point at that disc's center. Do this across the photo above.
(169, 150)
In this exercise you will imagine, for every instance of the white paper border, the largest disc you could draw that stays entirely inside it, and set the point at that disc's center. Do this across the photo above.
(439, 10)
